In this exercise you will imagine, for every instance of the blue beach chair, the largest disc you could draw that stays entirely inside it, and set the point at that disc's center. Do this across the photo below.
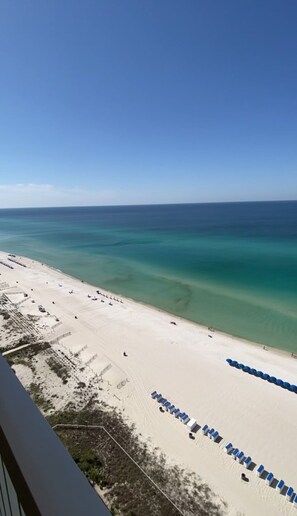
(205, 429)
(289, 493)
(234, 453)
(215, 436)
(260, 470)
(240, 457)
(269, 479)
(280, 486)
(247, 462)
(228, 447)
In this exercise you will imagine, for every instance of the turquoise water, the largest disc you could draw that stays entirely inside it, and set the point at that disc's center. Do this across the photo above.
(232, 266)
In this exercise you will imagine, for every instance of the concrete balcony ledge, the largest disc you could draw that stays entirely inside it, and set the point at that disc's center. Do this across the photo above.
(44, 476)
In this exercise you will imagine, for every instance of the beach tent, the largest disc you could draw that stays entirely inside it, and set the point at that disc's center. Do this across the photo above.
(192, 423)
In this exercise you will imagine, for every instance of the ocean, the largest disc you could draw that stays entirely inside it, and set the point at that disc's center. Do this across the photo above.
(231, 266)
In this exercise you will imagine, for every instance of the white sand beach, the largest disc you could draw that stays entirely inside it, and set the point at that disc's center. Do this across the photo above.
(187, 364)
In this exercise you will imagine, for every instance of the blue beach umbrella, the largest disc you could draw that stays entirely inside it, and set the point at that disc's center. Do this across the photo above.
(293, 388)
(240, 366)
(287, 385)
(247, 369)
(253, 371)
(272, 379)
(259, 373)
(229, 361)
(234, 363)
(266, 376)
(279, 382)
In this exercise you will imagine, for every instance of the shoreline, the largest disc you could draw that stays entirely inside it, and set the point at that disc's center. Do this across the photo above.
(265, 347)
(182, 363)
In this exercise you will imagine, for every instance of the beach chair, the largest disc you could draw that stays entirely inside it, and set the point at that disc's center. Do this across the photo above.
(158, 397)
(260, 470)
(172, 409)
(211, 432)
(228, 447)
(176, 412)
(280, 486)
(234, 453)
(181, 415)
(295, 500)
(289, 493)
(240, 457)
(269, 479)
(161, 400)
(167, 404)
(215, 436)
(154, 394)
(247, 462)
(186, 419)
(205, 429)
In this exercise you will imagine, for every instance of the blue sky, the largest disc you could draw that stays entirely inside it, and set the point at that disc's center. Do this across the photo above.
(119, 102)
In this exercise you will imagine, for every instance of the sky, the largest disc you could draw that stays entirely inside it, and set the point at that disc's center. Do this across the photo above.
(154, 101)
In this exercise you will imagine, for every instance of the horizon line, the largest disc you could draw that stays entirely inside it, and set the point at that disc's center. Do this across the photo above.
(146, 204)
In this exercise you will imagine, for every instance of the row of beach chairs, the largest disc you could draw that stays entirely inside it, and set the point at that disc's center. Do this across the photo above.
(191, 423)
(212, 433)
(240, 457)
(237, 454)
(172, 409)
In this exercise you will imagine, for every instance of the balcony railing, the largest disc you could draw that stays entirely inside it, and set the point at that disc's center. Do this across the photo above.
(37, 475)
